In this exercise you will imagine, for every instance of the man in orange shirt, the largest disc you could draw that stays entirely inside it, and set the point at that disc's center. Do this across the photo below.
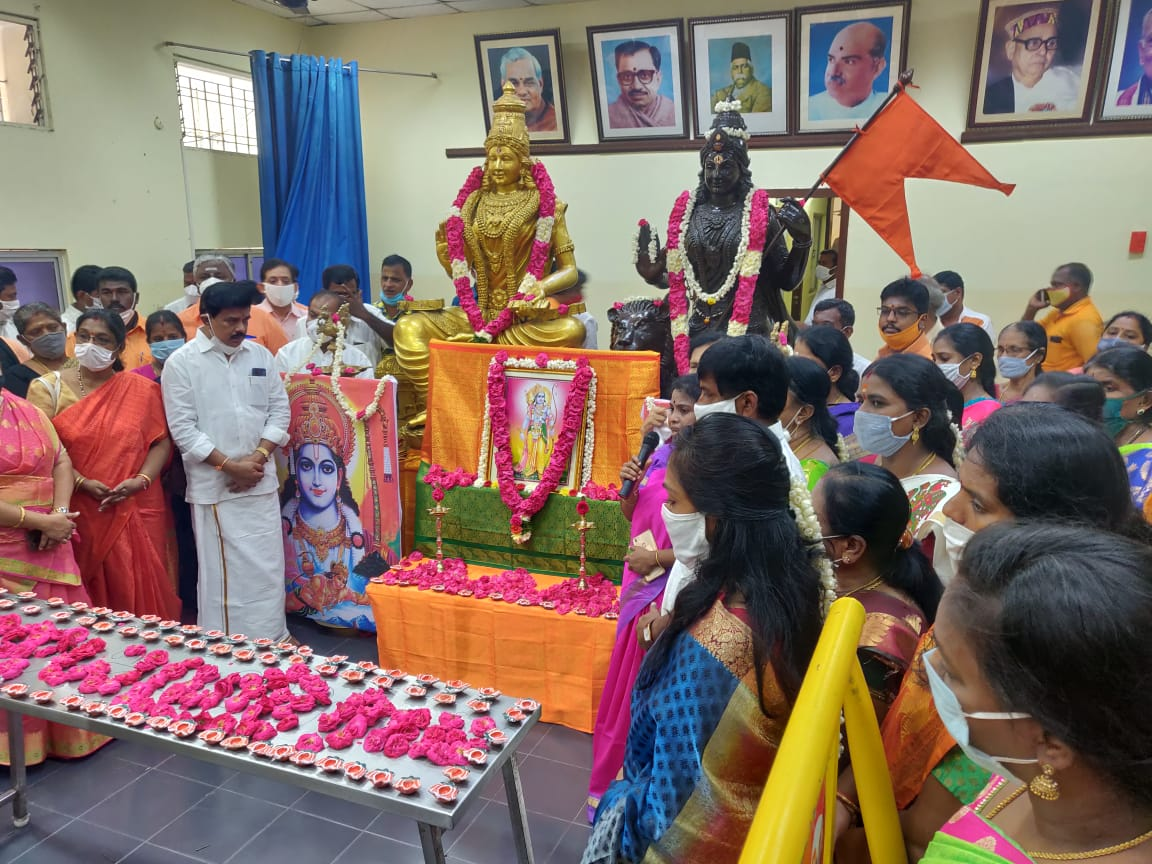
(1074, 325)
(904, 319)
(262, 327)
(116, 290)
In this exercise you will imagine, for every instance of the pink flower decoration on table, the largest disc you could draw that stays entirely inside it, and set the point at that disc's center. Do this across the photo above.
(135, 651)
(311, 742)
(396, 746)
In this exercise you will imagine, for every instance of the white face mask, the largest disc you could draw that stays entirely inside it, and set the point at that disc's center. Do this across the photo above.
(952, 373)
(191, 290)
(208, 283)
(727, 406)
(8, 309)
(96, 304)
(91, 356)
(127, 315)
(687, 532)
(945, 307)
(280, 295)
(956, 538)
(219, 344)
(313, 330)
(823, 274)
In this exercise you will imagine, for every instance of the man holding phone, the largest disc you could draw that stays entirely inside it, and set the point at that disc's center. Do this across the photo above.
(1074, 325)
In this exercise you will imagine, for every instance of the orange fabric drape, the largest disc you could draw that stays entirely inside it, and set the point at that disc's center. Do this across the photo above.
(559, 660)
(902, 142)
(459, 380)
(126, 557)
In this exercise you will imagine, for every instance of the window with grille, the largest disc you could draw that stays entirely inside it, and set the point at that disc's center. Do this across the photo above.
(22, 99)
(217, 110)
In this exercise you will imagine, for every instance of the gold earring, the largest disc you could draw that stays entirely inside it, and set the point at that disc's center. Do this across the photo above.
(1044, 785)
(972, 374)
(915, 434)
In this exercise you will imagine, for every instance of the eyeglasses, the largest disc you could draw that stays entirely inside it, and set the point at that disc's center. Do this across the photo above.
(645, 76)
(82, 337)
(897, 312)
(1035, 43)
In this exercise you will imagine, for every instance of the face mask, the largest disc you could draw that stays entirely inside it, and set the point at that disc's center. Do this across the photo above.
(1113, 422)
(312, 330)
(92, 357)
(823, 274)
(127, 315)
(8, 309)
(874, 433)
(687, 533)
(1058, 296)
(1014, 367)
(728, 406)
(219, 344)
(1110, 342)
(50, 346)
(392, 299)
(945, 307)
(191, 290)
(208, 283)
(790, 426)
(956, 722)
(161, 351)
(956, 538)
(952, 373)
(903, 339)
(96, 304)
(280, 295)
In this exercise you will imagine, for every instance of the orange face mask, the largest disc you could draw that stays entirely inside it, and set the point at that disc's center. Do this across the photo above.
(902, 340)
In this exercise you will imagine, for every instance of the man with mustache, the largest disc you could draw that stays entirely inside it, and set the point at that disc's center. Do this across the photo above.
(754, 96)
(1035, 84)
(855, 60)
(640, 103)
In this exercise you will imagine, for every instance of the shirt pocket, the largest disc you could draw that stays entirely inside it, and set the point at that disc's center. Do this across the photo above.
(258, 392)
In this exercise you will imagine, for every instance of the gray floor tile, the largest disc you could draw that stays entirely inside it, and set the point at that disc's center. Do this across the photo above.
(553, 788)
(268, 791)
(357, 816)
(83, 784)
(322, 640)
(488, 839)
(361, 648)
(149, 854)
(571, 847)
(16, 841)
(216, 827)
(562, 744)
(535, 735)
(195, 769)
(147, 805)
(369, 847)
(134, 751)
(77, 842)
(298, 837)
(35, 773)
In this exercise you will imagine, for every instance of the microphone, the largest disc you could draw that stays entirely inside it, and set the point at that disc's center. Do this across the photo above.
(647, 447)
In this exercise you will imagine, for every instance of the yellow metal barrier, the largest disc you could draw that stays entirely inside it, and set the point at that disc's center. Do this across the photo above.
(806, 763)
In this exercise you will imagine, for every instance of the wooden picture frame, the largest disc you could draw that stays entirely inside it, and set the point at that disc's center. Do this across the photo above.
(843, 75)
(1003, 63)
(1128, 49)
(648, 110)
(538, 73)
(747, 56)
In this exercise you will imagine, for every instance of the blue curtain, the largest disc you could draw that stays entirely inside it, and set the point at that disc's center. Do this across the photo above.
(311, 164)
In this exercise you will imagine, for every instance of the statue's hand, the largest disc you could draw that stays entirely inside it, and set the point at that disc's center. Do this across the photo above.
(650, 269)
(795, 220)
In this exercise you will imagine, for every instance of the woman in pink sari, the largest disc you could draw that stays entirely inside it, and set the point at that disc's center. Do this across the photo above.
(1038, 673)
(645, 574)
(36, 547)
(966, 356)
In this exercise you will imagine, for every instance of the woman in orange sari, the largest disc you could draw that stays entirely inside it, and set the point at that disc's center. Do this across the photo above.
(36, 531)
(114, 429)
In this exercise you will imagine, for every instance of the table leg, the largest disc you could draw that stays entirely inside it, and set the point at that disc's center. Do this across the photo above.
(18, 769)
(432, 843)
(519, 816)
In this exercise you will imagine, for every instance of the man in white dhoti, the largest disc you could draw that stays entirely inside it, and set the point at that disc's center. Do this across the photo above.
(227, 412)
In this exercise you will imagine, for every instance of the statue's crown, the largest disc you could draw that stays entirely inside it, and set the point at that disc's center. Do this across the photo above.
(508, 126)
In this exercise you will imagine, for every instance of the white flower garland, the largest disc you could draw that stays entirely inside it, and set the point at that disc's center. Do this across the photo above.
(372, 407)
(801, 502)
(677, 259)
(733, 132)
(306, 361)
(653, 244)
(732, 107)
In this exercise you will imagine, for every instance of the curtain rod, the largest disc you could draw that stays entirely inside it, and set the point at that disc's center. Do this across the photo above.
(244, 54)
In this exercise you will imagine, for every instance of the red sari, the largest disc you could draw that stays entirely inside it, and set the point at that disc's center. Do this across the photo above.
(125, 557)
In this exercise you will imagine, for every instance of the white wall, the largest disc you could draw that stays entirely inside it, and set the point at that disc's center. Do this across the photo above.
(105, 183)
(1075, 199)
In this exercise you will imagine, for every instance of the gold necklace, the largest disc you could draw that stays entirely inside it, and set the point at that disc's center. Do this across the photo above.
(919, 468)
(879, 580)
(80, 378)
(1058, 856)
(804, 442)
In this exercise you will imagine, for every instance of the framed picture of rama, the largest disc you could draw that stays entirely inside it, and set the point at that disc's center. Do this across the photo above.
(536, 401)
(530, 62)
(741, 59)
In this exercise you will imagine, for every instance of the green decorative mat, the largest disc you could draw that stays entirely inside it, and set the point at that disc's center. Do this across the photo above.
(476, 529)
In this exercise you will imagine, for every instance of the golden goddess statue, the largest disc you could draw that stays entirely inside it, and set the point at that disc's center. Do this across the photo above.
(508, 238)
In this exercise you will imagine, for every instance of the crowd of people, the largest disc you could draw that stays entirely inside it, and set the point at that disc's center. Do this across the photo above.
(980, 492)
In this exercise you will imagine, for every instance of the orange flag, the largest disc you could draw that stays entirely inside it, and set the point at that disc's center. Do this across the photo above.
(902, 141)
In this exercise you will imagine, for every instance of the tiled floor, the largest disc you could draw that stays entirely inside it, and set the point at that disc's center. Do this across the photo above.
(133, 804)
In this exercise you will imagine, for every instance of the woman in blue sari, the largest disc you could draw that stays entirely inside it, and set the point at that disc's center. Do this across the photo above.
(715, 691)
(1125, 373)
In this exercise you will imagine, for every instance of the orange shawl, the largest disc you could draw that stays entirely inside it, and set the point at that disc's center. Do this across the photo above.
(125, 557)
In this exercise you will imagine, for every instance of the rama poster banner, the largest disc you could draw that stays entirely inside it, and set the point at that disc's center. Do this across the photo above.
(340, 495)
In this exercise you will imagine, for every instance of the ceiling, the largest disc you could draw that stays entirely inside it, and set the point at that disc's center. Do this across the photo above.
(368, 11)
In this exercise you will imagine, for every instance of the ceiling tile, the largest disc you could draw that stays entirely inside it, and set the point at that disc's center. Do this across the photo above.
(396, 4)
(484, 5)
(417, 11)
(268, 6)
(364, 16)
(333, 7)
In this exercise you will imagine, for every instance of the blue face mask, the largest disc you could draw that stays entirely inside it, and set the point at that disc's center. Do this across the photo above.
(1015, 367)
(874, 432)
(1110, 342)
(955, 720)
(161, 351)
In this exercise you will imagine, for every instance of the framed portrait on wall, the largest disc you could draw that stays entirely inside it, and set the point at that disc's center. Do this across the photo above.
(1127, 91)
(1035, 62)
(531, 63)
(848, 56)
(741, 58)
(638, 80)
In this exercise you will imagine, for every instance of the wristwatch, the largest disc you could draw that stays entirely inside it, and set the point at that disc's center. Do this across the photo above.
(62, 510)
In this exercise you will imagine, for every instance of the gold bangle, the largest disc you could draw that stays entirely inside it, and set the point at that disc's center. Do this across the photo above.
(80, 480)
(267, 455)
(852, 807)
(23, 513)
(147, 480)
(220, 467)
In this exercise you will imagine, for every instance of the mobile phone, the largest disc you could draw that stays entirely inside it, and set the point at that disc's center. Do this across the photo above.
(1043, 292)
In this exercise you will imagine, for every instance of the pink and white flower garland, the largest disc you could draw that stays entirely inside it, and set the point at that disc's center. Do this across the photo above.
(683, 288)
(497, 434)
(486, 331)
(442, 481)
